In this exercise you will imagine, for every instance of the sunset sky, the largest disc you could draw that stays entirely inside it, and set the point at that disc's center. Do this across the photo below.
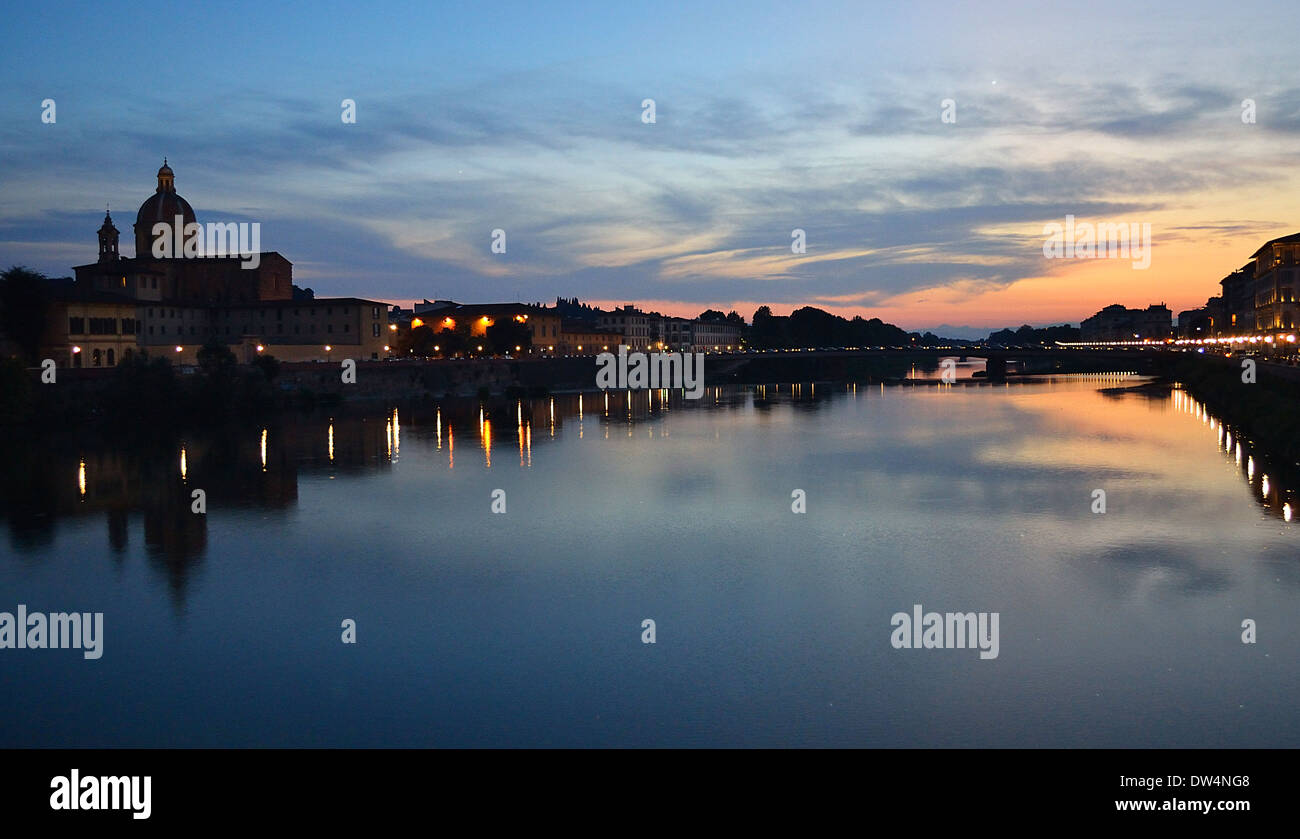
(770, 117)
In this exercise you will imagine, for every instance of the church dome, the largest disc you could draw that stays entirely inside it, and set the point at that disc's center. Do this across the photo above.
(163, 206)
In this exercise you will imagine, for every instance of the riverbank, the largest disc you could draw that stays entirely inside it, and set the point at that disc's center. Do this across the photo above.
(1264, 412)
(159, 393)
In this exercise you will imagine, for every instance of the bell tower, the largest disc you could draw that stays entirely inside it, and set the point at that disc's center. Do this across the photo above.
(108, 240)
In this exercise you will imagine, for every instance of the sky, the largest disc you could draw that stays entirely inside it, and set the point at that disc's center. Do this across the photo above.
(826, 117)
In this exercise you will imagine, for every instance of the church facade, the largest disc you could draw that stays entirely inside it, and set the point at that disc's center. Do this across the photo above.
(118, 306)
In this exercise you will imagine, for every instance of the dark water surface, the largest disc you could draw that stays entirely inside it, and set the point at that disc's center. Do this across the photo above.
(524, 629)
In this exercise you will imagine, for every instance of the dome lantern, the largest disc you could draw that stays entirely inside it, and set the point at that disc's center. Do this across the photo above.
(166, 178)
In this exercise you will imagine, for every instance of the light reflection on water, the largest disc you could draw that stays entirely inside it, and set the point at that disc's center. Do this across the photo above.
(773, 627)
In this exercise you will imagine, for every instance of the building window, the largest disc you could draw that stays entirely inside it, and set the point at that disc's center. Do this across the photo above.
(94, 357)
(110, 357)
(374, 312)
(374, 330)
(347, 327)
(329, 328)
(76, 326)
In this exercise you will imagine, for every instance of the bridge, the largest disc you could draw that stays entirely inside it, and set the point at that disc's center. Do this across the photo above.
(806, 364)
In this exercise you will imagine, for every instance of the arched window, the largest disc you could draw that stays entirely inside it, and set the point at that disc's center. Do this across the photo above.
(94, 358)
(110, 357)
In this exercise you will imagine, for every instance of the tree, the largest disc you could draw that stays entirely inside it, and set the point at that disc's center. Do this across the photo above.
(712, 315)
(15, 392)
(812, 327)
(24, 309)
(268, 364)
(216, 360)
(419, 341)
(504, 335)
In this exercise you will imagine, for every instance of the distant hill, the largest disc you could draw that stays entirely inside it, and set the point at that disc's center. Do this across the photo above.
(947, 330)
(1030, 335)
(812, 327)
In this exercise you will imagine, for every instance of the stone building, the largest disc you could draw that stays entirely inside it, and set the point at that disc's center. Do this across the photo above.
(172, 305)
(1275, 284)
(1118, 323)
